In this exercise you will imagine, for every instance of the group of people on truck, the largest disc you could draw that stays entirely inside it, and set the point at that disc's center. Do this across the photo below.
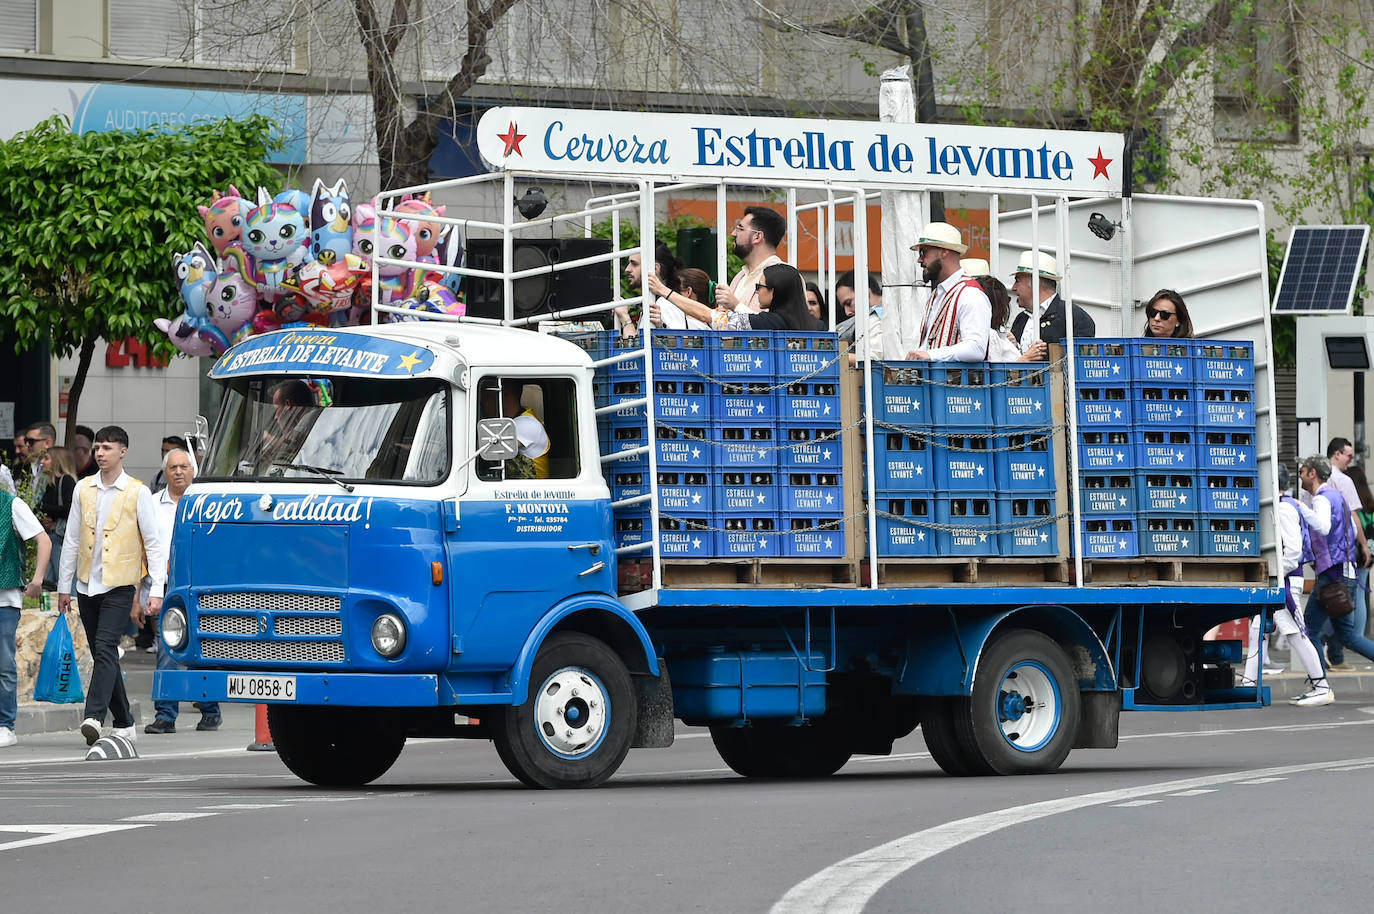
(968, 317)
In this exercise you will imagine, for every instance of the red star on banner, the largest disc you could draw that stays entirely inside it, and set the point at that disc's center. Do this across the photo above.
(512, 140)
(1099, 164)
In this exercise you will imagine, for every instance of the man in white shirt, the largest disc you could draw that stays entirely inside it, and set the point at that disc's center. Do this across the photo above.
(757, 235)
(958, 318)
(17, 526)
(112, 533)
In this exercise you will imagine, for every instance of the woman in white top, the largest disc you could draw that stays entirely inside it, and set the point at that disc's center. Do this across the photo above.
(1001, 347)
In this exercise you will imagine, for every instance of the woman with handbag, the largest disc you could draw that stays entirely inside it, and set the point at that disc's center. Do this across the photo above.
(59, 468)
(1334, 558)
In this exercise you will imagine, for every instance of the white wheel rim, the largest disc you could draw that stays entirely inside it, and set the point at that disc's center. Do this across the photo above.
(570, 711)
(1028, 706)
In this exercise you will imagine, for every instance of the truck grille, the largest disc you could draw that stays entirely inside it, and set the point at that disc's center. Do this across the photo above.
(270, 627)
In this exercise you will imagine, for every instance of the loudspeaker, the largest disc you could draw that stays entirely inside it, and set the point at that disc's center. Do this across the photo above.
(696, 247)
(538, 294)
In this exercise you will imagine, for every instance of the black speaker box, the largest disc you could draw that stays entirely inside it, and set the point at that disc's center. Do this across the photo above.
(538, 294)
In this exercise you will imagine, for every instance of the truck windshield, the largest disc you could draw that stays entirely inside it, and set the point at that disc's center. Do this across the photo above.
(337, 429)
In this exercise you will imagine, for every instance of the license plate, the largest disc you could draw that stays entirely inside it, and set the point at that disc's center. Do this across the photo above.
(263, 688)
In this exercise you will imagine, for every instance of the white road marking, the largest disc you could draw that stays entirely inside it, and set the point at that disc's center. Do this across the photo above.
(1261, 780)
(846, 887)
(1353, 768)
(168, 816)
(51, 834)
(239, 806)
(1133, 803)
(1194, 793)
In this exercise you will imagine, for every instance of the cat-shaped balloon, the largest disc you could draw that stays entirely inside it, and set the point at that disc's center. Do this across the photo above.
(275, 239)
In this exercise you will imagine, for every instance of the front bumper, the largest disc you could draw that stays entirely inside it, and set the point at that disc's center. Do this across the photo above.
(366, 690)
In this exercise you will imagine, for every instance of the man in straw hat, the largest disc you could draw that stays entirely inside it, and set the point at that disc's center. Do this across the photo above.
(1030, 336)
(959, 316)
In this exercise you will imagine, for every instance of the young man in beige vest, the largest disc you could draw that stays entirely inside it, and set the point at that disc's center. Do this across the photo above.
(116, 537)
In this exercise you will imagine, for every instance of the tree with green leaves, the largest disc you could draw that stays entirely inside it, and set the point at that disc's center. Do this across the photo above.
(91, 221)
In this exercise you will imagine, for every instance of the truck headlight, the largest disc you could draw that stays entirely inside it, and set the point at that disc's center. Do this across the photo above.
(174, 627)
(389, 635)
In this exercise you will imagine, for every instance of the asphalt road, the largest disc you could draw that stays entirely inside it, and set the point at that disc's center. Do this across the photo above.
(1192, 813)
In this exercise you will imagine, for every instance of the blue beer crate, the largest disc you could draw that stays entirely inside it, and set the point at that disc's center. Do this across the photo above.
(809, 447)
(624, 389)
(1103, 450)
(616, 345)
(1020, 396)
(810, 402)
(1166, 491)
(743, 355)
(1229, 362)
(1165, 449)
(1101, 361)
(1103, 406)
(807, 537)
(683, 446)
(1226, 451)
(682, 492)
(901, 460)
(1023, 462)
(681, 353)
(747, 402)
(596, 343)
(675, 400)
(626, 435)
(964, 525)
(904, 525)
(745, 491)
(959, 394)
(631, 526)
(1163, 405)
(1225, 407)
(1229, 493)
(1111, 537)
(687, 537)
(811, 493)
(1165, 534)
(963, 463)
(1231, 536)
(748, 537)
(1161, 360)
(901, 393)
(747, 446)
(628, 482)
(1106, 493)
(1026, 525)
(807, 357)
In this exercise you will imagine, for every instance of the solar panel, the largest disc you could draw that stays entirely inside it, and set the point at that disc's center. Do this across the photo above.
(1323, 266)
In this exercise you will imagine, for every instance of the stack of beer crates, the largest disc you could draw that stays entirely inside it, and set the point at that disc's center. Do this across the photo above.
(1166, 448)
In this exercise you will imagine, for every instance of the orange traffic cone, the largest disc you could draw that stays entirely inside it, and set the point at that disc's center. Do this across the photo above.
(262, 735)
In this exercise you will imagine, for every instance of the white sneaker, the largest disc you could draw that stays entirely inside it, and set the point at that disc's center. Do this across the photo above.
(1316, 698)
(7, 737)
(126, 732)
(1273, 670)
(90, 729)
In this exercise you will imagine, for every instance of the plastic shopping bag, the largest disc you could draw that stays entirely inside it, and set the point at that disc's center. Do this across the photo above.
(58, 680)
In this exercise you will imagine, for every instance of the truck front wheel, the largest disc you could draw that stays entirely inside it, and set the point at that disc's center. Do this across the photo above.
(1023, 714)
(334, 747)
(575, 727)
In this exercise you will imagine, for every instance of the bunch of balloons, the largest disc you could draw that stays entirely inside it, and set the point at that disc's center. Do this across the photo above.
(298, 259)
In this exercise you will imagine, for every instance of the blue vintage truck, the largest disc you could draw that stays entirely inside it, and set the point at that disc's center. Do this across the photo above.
(743, 531)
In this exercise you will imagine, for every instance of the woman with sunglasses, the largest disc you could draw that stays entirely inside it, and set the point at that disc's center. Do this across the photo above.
(780, 296)
(1167, 315)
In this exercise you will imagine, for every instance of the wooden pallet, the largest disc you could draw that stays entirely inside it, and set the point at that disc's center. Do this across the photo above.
(1156, 570)
(986, 571)
(727, 573)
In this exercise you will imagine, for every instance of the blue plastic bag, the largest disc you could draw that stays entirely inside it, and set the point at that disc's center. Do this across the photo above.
(58, 680)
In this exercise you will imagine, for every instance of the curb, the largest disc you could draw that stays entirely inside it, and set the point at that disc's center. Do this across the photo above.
(42, 717)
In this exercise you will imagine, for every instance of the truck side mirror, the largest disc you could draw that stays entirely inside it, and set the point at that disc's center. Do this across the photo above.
(496, 439)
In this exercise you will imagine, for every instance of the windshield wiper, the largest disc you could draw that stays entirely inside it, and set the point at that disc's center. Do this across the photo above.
(331, 475)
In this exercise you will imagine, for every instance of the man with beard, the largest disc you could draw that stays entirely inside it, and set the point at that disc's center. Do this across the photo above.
(757, 235)
(1033, 338)
(958, 317)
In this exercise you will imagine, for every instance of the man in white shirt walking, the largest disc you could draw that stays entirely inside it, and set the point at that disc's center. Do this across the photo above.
(112, 534)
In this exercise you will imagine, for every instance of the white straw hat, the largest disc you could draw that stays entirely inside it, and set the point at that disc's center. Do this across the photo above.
(1049, 267)
(941, 235)
(976, 266)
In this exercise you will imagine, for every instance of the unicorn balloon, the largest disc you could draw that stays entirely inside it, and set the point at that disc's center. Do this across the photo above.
(275, 240)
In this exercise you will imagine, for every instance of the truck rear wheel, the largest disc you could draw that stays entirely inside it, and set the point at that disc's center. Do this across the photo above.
(777, 751)
(575, 728)
(1023, 715)
(334, 747)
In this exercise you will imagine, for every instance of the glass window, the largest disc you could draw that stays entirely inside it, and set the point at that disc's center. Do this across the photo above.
(348, 429)
(545, 413)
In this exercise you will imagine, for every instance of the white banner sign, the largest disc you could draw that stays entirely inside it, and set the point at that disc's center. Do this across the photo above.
(781, 149)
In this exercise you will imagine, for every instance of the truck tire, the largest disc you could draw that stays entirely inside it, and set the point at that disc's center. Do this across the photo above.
(778, 751)
(334, 747)
(1023, 715)
(942, 739)
(575, 728)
